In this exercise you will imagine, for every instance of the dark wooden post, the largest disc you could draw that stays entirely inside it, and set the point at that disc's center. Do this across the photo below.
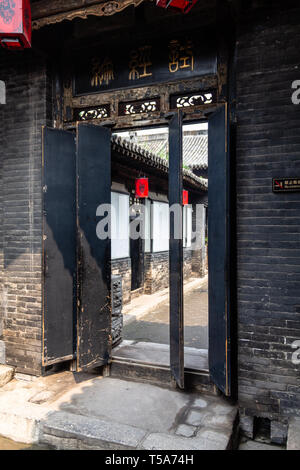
(176, 252)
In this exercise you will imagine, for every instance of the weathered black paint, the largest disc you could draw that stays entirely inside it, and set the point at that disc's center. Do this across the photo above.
(218, 254)
(176, 252)
(94, 310)
(59, 244)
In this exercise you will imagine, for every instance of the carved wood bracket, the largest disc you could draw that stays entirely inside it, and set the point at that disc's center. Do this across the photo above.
(101, 9)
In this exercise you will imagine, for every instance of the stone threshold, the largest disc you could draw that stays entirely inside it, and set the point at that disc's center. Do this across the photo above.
(159, 355)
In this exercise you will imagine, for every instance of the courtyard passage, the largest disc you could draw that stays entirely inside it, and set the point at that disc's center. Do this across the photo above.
(154, 326)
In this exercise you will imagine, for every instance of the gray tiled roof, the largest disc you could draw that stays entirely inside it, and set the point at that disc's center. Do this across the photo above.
(132, 150)
(195, 148)
(195, 151)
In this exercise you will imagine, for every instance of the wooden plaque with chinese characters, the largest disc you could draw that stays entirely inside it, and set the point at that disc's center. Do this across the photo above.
(144, 64)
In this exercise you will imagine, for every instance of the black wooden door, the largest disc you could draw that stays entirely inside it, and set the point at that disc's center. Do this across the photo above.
(59, 245)
(94, 189)
(176, 252)
(218, 250)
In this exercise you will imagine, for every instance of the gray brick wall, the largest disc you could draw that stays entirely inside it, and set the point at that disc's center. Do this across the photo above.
(27, 109)
(122, 267)
(268, 145)
(157, 270)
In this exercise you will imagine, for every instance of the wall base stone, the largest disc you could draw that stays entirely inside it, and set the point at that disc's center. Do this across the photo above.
(279, 432)
(156, 271)
(199, 262)
(2, 353)
(122, 267)
(247, 426)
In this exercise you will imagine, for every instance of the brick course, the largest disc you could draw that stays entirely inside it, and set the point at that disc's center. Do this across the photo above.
(268, 226)
(123, 268)
(157, 270)
(26, 111)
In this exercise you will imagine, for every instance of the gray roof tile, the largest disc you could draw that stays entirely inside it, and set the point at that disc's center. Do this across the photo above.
(195, 148)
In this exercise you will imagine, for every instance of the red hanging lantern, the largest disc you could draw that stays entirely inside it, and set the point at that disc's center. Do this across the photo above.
(15, 24)
(183, 5)
(141, 187)
(185, 197)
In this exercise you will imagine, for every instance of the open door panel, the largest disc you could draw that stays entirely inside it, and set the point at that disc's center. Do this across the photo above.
(59, 245)
(94, 189)
(176, 253)
(218, 251)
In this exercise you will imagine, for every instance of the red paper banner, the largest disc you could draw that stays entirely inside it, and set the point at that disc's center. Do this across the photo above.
(141, 187)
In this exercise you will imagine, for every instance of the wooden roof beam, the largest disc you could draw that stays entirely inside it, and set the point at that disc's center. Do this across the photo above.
(45, 13)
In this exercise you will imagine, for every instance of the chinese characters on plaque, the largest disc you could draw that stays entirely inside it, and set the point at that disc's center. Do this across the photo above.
(181, 57)
(140, 63)
(166, 60)
(102, 72)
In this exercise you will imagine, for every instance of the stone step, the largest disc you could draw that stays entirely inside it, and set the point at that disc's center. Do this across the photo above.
(6, 374)
(160, 375)
(293, 441)
(149, 362)
(109, 413)
(68, 431)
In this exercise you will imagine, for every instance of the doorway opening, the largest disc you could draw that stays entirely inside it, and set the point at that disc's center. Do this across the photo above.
(145, 335)
(136, 247)
(95, 257)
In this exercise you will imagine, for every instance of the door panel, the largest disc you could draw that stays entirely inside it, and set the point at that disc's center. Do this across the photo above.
(218, 250)
(176, 253)
(59, 245)
(94, 188)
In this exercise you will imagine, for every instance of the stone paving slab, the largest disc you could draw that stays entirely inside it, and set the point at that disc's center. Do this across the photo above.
(207, 440)
(20, 422)
(63, 429)
(144, 304)
(109, 413)
(254, 445)
(154, 326)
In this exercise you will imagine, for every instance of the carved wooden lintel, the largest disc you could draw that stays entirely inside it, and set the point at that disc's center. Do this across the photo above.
(107, 8)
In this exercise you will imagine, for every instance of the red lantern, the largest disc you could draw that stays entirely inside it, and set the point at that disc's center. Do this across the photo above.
(15, 24)
(141, 187)
(183, 5)
(185, 197)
